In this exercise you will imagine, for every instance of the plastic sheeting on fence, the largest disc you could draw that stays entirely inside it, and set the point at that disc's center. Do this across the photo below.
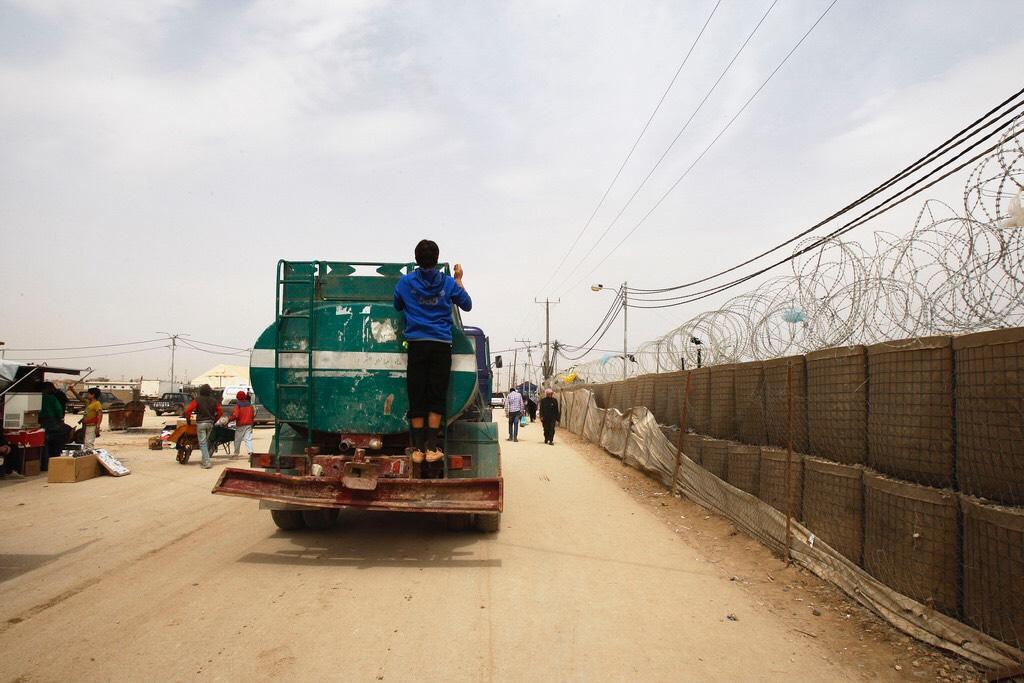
(636, 437)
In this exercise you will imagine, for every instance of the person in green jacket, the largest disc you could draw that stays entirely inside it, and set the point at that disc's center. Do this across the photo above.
(51, 419)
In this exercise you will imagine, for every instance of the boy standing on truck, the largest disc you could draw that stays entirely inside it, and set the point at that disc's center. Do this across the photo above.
(426, 296)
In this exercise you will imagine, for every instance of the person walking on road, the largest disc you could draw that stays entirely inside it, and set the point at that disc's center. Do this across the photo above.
(93, 417)
(426, 296)
(513, 409)
(531, 406)
(549, 415)
(208, 411)
(244, 416)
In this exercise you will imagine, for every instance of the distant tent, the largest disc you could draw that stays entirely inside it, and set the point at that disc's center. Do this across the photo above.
(220, 376)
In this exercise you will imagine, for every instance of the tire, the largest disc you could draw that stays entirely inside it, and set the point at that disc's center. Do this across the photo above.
(288, 520)
(320, 520)
(183, 453)
(488, 524)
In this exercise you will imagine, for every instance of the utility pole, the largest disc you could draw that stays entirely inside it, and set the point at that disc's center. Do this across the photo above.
(625, 330)
(546, 367)
(174, 347)
(515, 359)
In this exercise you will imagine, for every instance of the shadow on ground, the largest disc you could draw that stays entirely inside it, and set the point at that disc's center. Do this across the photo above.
(367, 539)
(14, 565)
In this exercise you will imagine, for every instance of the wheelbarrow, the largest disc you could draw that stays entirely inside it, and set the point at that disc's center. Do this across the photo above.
(186, 439)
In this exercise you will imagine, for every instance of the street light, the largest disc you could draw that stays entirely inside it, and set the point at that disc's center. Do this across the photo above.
(697, 342)
(625, 323)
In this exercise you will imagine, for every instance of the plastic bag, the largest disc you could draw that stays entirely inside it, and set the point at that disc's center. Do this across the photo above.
(523, 420)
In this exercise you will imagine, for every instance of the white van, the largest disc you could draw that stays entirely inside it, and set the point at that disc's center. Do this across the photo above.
(231, 393)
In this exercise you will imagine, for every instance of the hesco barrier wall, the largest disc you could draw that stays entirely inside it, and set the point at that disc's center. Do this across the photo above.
(900, 453)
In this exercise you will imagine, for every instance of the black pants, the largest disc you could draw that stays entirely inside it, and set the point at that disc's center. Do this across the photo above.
(549, 429)
(430, 365)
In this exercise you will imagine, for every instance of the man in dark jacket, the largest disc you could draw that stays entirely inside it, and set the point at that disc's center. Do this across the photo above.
(51, 419)
(426, 296)
(208, 411)
(549, 415)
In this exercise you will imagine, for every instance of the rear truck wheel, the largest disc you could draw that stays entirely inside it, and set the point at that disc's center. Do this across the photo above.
(288, 520)
(184, 452)
(488, 523)
(319, 520)
(458, 521)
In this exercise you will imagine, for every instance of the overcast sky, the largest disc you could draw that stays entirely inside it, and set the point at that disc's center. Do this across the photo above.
(159, 157)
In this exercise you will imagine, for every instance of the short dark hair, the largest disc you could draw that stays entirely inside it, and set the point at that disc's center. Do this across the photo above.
(93, 391)
(427, 253)
(204, 390)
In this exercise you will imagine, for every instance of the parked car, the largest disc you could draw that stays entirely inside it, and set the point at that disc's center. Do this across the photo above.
(497, 401)
(107, 400)
(74, 405)
(171, 402)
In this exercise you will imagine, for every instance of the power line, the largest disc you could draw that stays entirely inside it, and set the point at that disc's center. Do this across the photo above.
(818, 242)
(679, 134)
(877, 210)
(632, 149)
(956, 140)
(97, 355)
(96, 346)
(727, 126)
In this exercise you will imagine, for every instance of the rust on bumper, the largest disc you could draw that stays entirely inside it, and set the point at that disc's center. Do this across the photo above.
(402, 495)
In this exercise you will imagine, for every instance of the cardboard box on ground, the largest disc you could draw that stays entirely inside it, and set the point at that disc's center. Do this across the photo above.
(66, 470)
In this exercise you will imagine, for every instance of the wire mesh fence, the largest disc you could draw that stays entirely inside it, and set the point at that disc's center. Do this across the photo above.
(889, 460)
(990, 415)
(910, 421)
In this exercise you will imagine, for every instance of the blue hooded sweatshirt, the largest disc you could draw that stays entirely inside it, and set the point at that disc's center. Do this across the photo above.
(426, 296)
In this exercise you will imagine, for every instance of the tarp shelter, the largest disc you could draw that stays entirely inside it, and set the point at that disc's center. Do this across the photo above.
(220, 376)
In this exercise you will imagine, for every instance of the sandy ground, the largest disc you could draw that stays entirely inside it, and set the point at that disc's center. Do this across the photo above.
(149, 577)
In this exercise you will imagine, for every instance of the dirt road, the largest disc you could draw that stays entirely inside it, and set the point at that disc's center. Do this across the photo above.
(149, 577)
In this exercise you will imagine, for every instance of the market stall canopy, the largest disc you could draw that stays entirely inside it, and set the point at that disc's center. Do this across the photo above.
(14, 373)
(222, 376)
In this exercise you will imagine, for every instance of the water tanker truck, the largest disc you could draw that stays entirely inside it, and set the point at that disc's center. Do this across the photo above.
(332, 370)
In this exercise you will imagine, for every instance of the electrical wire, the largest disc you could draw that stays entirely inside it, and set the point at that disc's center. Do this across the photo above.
(1015, 103)
(96, 355)
(81, 348)
(671, 145)
(872, 213)
(636, 142)
(707, 149)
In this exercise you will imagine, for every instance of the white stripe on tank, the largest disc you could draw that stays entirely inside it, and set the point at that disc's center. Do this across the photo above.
(350, 360)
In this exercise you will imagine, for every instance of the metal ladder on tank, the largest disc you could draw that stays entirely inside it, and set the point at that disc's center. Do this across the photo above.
(307, 290)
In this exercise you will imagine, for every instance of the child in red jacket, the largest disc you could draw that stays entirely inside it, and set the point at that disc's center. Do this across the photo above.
(244, 416)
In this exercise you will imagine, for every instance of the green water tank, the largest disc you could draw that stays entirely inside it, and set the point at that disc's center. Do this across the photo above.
(337, 319)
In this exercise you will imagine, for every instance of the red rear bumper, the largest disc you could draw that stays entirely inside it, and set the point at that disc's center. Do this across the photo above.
(402, 495)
